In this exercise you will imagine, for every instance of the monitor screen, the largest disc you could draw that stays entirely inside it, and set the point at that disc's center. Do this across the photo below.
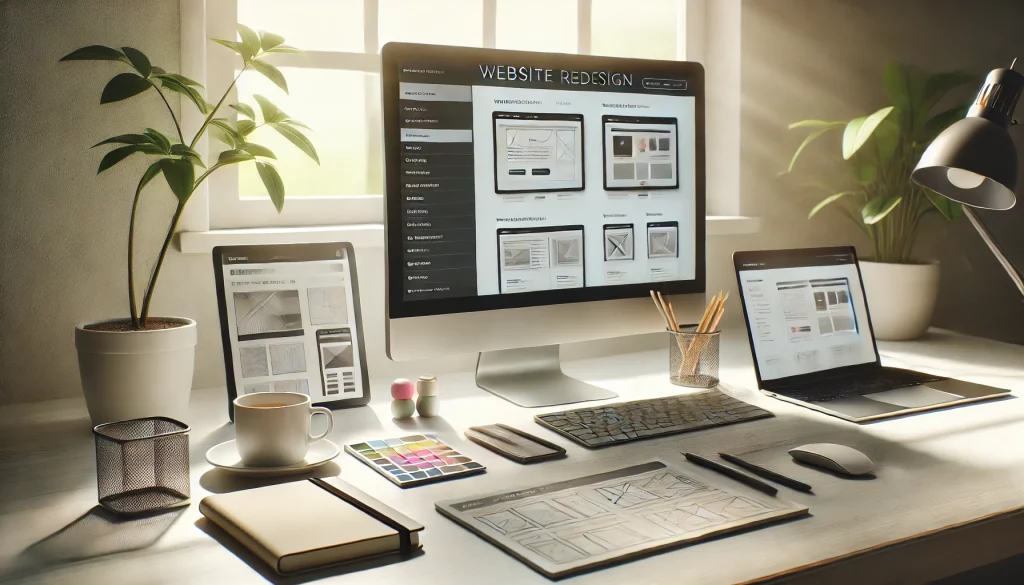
(805, 313)
(517, 179)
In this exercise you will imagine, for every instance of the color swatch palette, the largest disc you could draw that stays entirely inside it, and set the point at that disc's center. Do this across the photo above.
(414, 460)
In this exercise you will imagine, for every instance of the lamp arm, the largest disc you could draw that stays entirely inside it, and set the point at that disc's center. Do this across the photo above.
(994, 247)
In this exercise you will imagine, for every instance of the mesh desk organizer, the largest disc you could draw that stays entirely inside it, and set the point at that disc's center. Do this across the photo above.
(611, 424)
(142, 465)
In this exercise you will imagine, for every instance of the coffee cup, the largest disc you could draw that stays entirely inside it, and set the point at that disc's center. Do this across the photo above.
(273, 428)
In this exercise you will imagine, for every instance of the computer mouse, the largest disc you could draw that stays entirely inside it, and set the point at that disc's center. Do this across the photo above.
(838, 458)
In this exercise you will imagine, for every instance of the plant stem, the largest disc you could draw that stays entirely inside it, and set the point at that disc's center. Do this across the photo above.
(131, 256)
(213, 112)
(160, 262)
(181, 137)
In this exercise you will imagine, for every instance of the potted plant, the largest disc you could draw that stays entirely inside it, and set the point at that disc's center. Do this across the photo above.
(879, 151)
(141, 365)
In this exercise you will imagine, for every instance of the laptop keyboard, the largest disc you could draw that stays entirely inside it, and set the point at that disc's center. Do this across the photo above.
(890, 379)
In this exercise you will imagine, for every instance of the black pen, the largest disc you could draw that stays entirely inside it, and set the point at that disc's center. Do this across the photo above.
(767, 473)
(730, 472)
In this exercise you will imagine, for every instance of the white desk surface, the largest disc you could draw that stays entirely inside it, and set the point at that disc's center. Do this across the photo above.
(948, 496)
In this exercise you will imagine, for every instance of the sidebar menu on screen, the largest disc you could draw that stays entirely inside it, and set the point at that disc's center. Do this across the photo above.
(438, 198)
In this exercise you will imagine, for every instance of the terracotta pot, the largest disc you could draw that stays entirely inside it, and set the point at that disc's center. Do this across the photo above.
(901, 297)
(137, 374)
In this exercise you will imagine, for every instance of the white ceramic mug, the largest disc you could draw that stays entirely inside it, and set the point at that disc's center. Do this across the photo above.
(273, 428)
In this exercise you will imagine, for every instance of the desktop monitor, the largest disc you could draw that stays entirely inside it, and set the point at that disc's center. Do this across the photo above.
(535, 199)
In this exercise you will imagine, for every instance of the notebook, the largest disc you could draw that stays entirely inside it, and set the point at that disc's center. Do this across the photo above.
(311, 524)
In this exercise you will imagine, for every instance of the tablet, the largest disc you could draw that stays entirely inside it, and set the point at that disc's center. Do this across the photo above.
(290, 322)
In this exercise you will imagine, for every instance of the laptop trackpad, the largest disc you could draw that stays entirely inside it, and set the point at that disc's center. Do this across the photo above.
(914, 397)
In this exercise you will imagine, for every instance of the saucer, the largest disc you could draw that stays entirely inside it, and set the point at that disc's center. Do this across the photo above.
(225, 456)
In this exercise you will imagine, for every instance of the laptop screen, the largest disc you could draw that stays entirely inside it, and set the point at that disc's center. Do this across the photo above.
(806, 312)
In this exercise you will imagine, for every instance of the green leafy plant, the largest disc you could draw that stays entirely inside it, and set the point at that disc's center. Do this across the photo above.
(176, 158)
(880, 151)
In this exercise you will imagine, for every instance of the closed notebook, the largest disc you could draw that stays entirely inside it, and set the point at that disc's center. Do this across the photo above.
(306, 525)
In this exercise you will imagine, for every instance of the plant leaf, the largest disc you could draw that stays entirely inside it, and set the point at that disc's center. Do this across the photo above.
(269, 40)
(272, 73)
(180, 175)
(158, 70)
(126, 139)
(828, 200)
(887, 139)
(298, 139)
(139, 61)
(244, 109)
(179, 78)
(186, 152)
(151, 149)
(124, 86)
(233, 45)
(866, 173)
(878, 208)
(285, 49)
(814, 124)
(95, 53)
(859, 130)
(951, 210)
(245, 127)
(938, 85)
(115, 156)
(159, 139)
(250, 40)
(272, 181)
(226, 126)
(223, 135)
(229, 157)
(258, 150)
(271, 113)
(150, 174)
(294, 122)
(904, 86)
(809, 139)
(185, 90)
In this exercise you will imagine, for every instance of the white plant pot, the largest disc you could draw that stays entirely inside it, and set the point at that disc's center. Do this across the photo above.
(135, 374)
(901, 297)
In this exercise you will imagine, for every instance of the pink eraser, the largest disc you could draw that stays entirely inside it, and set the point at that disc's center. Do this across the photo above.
(402, 389)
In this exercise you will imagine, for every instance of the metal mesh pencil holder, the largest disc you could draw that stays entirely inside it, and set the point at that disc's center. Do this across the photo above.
(142, 465)
(693, 357)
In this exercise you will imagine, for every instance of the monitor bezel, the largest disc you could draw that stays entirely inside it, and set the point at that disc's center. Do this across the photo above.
(739, 258)
(394, 54)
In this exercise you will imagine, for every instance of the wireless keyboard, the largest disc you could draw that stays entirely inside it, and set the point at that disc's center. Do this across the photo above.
(612, 424)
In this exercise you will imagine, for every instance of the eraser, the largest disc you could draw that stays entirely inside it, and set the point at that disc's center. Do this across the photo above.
(427, 386)
(428, 406)
(402, 408)
(402, 389)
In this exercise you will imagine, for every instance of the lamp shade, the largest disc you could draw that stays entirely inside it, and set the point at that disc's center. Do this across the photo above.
(974, 161)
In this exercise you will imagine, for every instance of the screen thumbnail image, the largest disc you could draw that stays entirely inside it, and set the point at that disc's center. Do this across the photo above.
(618, 242)
(337, 360)
(267, 314)
(532, 259)
(537, 152)
(663, 240)
(640, 153)
(832, 307)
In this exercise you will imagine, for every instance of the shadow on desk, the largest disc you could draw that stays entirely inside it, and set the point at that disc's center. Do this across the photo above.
(225, 540)
(98, 533)
(218, 481)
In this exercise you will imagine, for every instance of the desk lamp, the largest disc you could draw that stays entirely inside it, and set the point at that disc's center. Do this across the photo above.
(974, 161)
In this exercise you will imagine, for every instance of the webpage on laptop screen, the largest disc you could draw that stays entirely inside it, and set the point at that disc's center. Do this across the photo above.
(806, 314)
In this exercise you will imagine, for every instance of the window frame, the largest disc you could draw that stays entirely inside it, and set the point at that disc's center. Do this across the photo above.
(222, 208)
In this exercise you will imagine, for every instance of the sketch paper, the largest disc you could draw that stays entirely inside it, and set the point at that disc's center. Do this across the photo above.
(577, 525)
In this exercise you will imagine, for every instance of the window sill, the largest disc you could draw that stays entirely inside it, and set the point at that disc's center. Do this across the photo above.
(372, 235)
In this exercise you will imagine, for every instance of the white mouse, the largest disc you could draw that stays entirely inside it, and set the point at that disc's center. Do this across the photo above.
(838, 458)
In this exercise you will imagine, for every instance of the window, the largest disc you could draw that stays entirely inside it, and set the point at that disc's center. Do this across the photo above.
(335, 86)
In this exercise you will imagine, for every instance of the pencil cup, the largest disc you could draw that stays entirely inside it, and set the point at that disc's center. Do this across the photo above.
(142, 465)
(693, 357)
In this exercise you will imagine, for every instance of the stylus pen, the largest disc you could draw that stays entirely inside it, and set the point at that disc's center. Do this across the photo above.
(767, 473)
(730, 472)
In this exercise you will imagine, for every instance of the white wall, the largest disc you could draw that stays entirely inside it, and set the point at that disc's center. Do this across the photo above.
(63, 230)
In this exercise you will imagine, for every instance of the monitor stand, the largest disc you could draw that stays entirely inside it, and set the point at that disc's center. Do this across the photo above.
(532, 377)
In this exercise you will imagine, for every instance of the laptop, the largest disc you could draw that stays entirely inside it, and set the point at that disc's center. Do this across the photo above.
(811, 340)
